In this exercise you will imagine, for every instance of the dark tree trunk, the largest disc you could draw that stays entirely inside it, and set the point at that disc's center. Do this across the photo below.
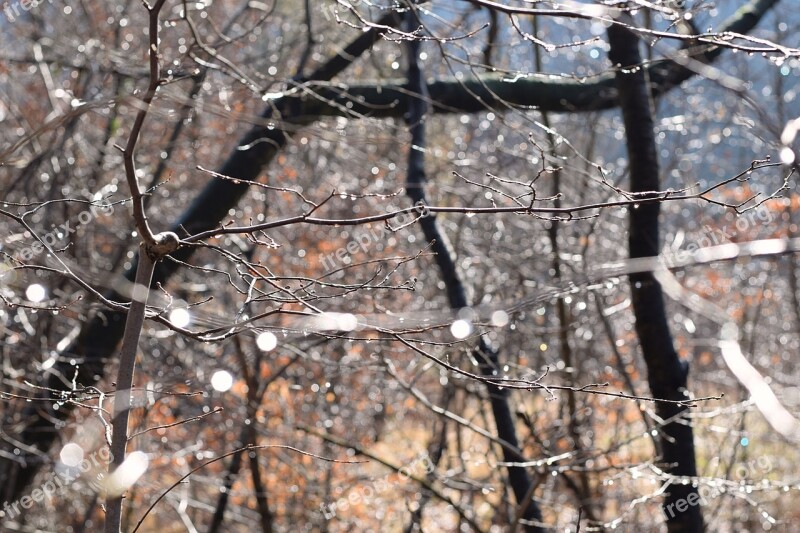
(666, 372)
(518, 477)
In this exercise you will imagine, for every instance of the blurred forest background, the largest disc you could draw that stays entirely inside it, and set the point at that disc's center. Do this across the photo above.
(419, 282)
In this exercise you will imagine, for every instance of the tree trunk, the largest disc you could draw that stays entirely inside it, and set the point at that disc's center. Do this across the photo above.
(667, 373)
(488, 356)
